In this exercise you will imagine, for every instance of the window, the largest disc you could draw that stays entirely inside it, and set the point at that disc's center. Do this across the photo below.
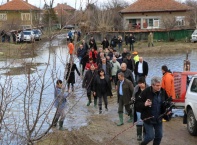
(25, 16)
(194, 86)
(36, 16)
(156, 23)
(180, 20)
(151, 23)
(3, 17)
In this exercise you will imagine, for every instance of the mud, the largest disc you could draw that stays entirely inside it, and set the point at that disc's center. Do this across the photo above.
(102, 130)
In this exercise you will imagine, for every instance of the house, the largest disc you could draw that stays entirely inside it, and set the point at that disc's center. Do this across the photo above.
(18, 14)
(155, 14)
(64, 12)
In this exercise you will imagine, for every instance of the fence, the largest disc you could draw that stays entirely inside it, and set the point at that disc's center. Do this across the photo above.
(174, 35)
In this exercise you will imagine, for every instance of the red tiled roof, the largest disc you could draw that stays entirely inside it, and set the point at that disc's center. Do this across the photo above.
(60, 12)
(64, 7)
(155, 6)
(17, 5)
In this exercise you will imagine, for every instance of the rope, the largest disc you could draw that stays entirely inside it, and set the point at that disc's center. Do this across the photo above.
(108, 143)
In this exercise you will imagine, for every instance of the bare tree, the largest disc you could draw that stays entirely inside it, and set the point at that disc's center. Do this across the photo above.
(192, 16)
(169, 22)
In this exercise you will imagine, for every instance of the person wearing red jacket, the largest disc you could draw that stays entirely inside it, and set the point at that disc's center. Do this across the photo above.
(93, 54)
(88, 65)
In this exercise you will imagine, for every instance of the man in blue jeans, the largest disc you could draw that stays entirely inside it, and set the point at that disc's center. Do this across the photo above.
(151, 104)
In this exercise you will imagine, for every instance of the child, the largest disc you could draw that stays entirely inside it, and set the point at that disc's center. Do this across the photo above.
(60, 104)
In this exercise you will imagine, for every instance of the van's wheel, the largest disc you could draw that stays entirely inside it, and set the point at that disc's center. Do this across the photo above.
(191, 123)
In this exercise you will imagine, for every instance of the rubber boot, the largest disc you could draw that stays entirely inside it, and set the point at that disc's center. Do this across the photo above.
(130, 119)
(121, 119)
(89, 101)
(95, 103)
(139, 132)
(142, 143)
(55, 122)
(100, 109)
(61, 125)
(106, 109)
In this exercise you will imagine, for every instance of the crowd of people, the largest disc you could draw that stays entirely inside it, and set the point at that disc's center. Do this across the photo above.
(105, 69)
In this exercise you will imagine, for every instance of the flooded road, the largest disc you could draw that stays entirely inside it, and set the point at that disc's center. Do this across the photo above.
(78, 115)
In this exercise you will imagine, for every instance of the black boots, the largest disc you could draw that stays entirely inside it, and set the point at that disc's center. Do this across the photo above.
(55, 122)
(95, 102)
(61, 125)
(100, 109)
(139, 132)
(106, 109)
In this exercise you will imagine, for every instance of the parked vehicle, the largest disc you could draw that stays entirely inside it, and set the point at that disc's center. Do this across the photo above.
(28, 36)
(37, 34)
(190, 110)
(194, 36)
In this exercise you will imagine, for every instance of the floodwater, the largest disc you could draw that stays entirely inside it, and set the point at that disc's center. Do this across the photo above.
(173, 61)
(77, 115)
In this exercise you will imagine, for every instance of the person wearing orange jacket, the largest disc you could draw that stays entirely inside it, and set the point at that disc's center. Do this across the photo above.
(168, 81)
(71, 47)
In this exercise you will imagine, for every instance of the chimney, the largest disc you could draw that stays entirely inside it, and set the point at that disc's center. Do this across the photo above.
(8, 1)
(27, 1)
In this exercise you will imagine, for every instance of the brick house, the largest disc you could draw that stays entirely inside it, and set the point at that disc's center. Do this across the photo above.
(18, 14)
(155, 14)
(63, 12)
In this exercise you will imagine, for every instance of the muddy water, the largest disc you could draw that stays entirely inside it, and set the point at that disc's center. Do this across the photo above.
(77, 114)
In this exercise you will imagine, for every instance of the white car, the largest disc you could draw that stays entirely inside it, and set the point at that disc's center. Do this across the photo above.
(28, 36)
(194, 36)
(190, 112)
(37, 34)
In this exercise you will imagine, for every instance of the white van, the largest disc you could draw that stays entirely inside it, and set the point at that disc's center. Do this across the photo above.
(190, 112)
(194, 36)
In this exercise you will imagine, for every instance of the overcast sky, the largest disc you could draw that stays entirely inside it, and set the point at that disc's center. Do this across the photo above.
(40, 3)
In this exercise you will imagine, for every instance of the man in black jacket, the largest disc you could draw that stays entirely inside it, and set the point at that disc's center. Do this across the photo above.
(129, 61)
(127, 73)
(106, 66)
(141, 69)
(81, 52)
(105, 43)
(151, 104)
(131, 40)
(88, 84)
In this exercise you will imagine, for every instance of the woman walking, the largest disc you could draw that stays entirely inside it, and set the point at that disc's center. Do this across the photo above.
(137, 115)
(70, 76)
(102, 89)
